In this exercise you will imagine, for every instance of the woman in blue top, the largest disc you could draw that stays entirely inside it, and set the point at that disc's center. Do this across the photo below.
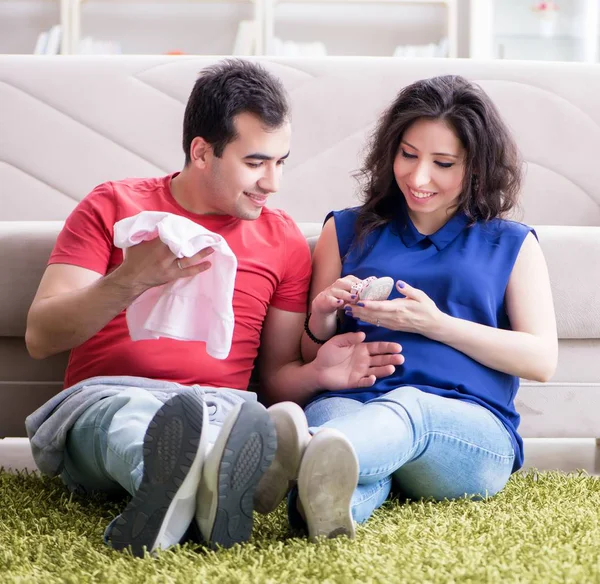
(472, 309)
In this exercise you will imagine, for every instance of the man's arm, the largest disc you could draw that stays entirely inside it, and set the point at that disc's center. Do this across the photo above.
(72, 303)
(326, 269)
(283, 375)
(344, 362)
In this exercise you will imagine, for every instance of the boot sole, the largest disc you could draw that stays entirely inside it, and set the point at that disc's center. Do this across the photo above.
(163, 507)
(245, 449)
(292, 439)
(326, 482)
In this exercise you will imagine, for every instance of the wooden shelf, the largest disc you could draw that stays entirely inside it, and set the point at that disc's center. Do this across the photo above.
(262, 15)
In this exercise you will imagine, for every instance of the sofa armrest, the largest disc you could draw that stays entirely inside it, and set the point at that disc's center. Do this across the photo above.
(26, 247)
(573, 258)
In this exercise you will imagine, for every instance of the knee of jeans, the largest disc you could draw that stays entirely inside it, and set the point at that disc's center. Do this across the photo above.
(476, 485)
(325, 409)
(405, 401)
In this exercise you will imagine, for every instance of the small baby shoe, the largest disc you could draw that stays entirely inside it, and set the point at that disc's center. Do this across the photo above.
(374, 288)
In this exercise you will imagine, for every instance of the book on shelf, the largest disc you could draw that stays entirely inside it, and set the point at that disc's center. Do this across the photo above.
(40, 44)
(294, 49)
(430, 50)
(245, 39)
(49, 41)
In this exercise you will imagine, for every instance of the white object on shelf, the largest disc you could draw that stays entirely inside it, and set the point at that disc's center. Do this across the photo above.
(245, 40)
(261, 15)
(41, 43)
(548, 24)
(450, 5)
(292, 49)
(54, 40)
(511, 29)
(431, 50)
(75, 22)
(49, 41)
(91, 46)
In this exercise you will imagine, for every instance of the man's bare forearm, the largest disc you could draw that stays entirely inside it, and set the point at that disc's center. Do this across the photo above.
(65, 321)
(296, 381)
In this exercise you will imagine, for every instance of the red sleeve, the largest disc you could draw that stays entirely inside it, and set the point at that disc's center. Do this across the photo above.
(86, 239)
(292, 292)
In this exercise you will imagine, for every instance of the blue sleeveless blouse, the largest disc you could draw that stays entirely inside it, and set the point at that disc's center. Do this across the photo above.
(465, 270)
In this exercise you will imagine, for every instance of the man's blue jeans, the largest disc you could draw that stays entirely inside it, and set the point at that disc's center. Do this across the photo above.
(104, 449)
(430, 445)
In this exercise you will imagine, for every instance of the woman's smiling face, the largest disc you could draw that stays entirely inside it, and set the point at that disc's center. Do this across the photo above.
(429, 169)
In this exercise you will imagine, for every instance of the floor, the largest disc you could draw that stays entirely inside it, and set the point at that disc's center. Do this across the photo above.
(542, 453)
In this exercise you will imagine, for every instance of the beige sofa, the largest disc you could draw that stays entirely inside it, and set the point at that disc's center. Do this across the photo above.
(67, 124)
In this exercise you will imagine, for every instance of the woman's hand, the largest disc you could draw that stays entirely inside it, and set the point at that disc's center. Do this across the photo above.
(333, 297)
(416, 313)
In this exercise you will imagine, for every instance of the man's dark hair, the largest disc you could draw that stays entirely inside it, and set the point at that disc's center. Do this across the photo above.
(225, 90)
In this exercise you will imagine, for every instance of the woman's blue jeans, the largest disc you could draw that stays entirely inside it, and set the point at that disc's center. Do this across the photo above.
(431, 446)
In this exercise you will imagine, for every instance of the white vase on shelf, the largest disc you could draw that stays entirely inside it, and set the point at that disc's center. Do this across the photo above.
(547, 13)
(548, 21)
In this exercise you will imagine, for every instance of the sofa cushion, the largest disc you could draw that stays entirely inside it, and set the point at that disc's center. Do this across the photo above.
(572, 254)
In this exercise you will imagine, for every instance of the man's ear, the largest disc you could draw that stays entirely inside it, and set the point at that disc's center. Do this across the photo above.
(200, 152)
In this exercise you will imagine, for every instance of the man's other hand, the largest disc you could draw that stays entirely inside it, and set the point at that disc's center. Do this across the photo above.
(346, 362)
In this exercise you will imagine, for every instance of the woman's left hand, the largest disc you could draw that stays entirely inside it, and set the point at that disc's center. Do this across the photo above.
(416, 313)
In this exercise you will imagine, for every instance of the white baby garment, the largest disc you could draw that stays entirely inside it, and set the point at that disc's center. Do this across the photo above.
(198, 308)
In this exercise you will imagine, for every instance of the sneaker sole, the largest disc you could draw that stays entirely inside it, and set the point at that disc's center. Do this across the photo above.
(244, 450)
(326, 482)
(163, 507)
(292, 439)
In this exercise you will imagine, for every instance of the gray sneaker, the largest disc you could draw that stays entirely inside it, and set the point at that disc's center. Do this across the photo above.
(292, 438)
(326, 482)
(163, 507)
(243, 451)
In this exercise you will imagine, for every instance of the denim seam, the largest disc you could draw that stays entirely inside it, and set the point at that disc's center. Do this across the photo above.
(462, 441)
(384, 402)
(504, 457)
(383, 470)
(371, 496)
(103, 471)
(118, 454)
(395, 464)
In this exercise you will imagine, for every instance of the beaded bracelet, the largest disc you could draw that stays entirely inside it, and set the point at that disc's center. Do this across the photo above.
(309, 333)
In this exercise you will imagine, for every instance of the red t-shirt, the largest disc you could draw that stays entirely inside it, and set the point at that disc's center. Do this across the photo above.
(273, 270)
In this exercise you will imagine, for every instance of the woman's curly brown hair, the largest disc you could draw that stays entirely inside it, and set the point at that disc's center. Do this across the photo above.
(492, 162)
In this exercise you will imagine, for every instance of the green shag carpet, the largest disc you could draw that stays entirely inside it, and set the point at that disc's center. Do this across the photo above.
(544, 527)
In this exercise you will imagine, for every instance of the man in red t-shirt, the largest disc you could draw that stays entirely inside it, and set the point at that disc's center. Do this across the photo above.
(127, 416)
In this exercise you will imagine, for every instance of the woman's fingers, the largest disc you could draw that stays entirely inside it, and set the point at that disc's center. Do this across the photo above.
(343, 295)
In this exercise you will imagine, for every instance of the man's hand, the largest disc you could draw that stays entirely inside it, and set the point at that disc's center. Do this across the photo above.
(345, 362)
(151, 263)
